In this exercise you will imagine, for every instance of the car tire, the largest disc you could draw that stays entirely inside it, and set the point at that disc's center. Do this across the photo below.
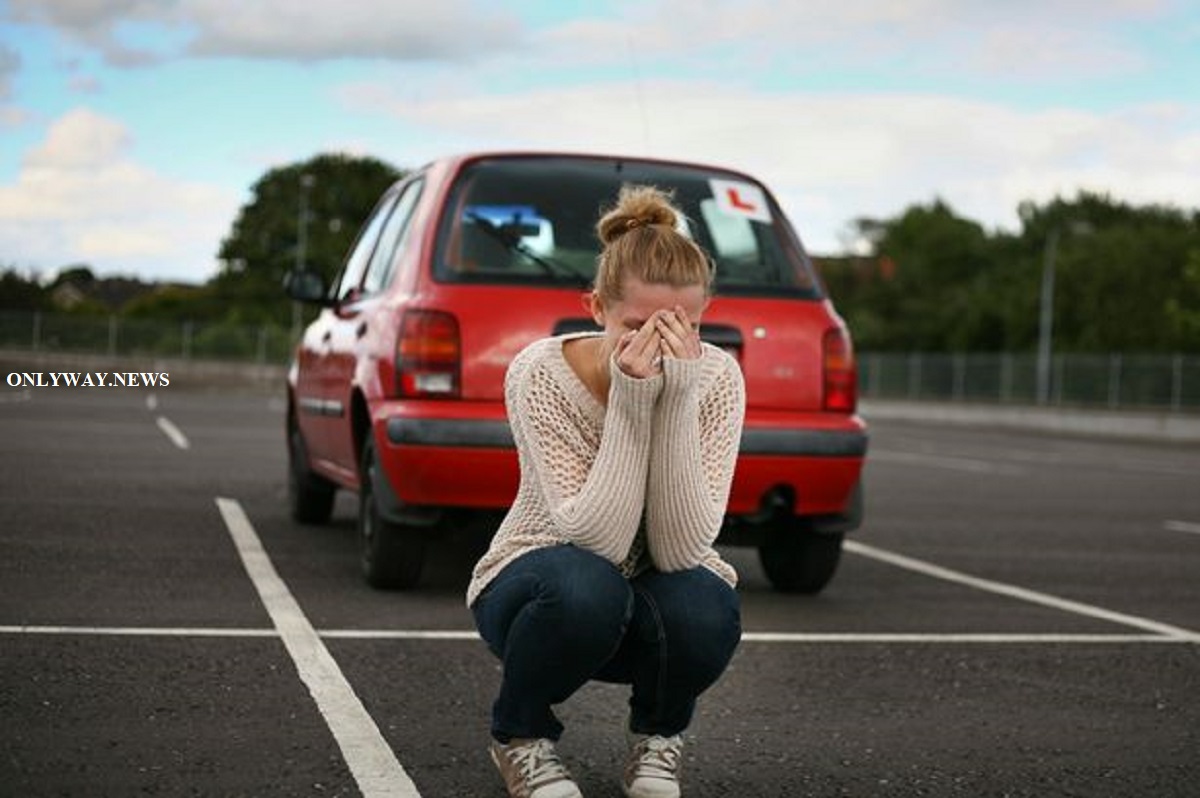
(797, 559)
(392, 555)
(310, 496)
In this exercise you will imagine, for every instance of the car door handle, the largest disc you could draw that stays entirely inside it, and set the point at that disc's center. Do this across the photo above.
(361, 330)
(327, 336)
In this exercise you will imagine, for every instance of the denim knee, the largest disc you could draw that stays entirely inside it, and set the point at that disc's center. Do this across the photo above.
(696, 611)
(575, 594)
(589, 591)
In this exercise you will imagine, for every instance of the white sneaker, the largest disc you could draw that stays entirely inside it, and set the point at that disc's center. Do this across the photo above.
(652, 770)
(532, 769)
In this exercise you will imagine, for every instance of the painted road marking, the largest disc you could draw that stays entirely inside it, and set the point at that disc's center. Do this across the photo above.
(467, 636)
(1181, 526)
(369, 757)
(173, 432)
(152, 402)
(1012, 591)
(805, 637)
(139, 631)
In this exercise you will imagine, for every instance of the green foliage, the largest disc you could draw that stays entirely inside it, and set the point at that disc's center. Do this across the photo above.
(305, 213)
(192, 302)
(1127, 279)
(21, 293)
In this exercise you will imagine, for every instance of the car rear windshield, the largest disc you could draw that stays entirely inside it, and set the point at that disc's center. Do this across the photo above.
(533, 219)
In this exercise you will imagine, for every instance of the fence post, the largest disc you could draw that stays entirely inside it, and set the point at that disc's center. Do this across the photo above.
(262, 344)
(959, 366)
(187, 340)
(112, 335)
(1059, 370)
(914, 375)
(1176, 382)
(1006, 377)
(37, 330)
(1114, 381)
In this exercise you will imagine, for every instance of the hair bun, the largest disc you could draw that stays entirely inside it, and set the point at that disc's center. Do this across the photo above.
(637, 206)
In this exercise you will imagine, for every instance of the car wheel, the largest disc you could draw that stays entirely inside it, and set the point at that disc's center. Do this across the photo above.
(392, 554)
(310, 496)
(798, 559)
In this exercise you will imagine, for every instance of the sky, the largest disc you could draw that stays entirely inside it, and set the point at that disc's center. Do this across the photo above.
(131, 131)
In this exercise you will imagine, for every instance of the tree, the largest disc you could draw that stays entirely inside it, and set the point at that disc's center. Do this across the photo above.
(20, 293)
(937, 299)
(1127, 280)
(317, 205)
(1124, 278)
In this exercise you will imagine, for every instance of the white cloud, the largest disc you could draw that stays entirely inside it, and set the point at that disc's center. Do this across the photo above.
(449, 29)
(833, 158)
(80, 140)
(397, 29)
(1068, 37)
(1059, 39)
(80, 198)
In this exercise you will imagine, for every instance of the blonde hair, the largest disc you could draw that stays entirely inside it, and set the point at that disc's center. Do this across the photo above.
(640, 239)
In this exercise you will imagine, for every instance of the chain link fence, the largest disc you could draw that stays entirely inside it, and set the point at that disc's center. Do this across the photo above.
(1117, 381)
(1114, 381)
(112, 336)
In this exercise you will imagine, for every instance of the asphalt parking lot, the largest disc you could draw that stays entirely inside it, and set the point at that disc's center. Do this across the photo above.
(1020, 616)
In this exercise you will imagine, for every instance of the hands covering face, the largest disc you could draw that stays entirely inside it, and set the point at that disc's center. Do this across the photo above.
(666, 334)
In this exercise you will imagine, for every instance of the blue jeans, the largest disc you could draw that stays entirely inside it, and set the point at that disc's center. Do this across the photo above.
(561, 616)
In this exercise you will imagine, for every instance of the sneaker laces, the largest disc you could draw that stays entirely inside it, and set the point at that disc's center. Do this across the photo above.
(657, 757)
(538, 763)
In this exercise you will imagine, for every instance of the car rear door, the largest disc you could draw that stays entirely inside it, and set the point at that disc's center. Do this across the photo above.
(323, 400)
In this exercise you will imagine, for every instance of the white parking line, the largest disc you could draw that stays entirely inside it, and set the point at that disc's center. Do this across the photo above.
(957, 637)
(173, 432)
(138, 631)
(152, 402)
(467, 636)
(1181, 526)
(369, 757)
(804, 637)
(1032, 596)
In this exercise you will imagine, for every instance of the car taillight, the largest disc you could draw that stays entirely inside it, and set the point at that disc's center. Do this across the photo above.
(838, 371)
(428, 355)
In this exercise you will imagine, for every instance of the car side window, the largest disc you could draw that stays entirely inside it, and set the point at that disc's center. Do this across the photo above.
(360, 255)
(391, 240)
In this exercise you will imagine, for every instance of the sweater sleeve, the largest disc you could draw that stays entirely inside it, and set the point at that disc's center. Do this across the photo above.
(696, 433)
(593, 491)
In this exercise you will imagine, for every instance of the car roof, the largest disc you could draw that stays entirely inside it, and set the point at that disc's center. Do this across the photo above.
(453, 162)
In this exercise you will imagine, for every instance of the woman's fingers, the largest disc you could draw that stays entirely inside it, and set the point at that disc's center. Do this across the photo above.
(641, 353)
(667, 333)
(680, 340)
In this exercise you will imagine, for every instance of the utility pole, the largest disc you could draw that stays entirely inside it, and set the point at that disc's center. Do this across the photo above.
(1046, 318)
(1046, 311)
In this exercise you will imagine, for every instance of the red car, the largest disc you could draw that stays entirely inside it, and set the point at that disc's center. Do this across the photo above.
(396, 390)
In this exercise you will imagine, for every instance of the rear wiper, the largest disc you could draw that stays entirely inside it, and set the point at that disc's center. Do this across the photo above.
(555, 269)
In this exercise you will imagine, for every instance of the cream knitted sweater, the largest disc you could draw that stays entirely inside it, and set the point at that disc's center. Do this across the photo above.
(663, 450)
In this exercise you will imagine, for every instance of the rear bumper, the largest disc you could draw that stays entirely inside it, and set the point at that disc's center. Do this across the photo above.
(433, 458)
(470, 461)
(489, 434)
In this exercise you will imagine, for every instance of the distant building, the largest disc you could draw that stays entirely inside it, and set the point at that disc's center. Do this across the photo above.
(78, 287)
